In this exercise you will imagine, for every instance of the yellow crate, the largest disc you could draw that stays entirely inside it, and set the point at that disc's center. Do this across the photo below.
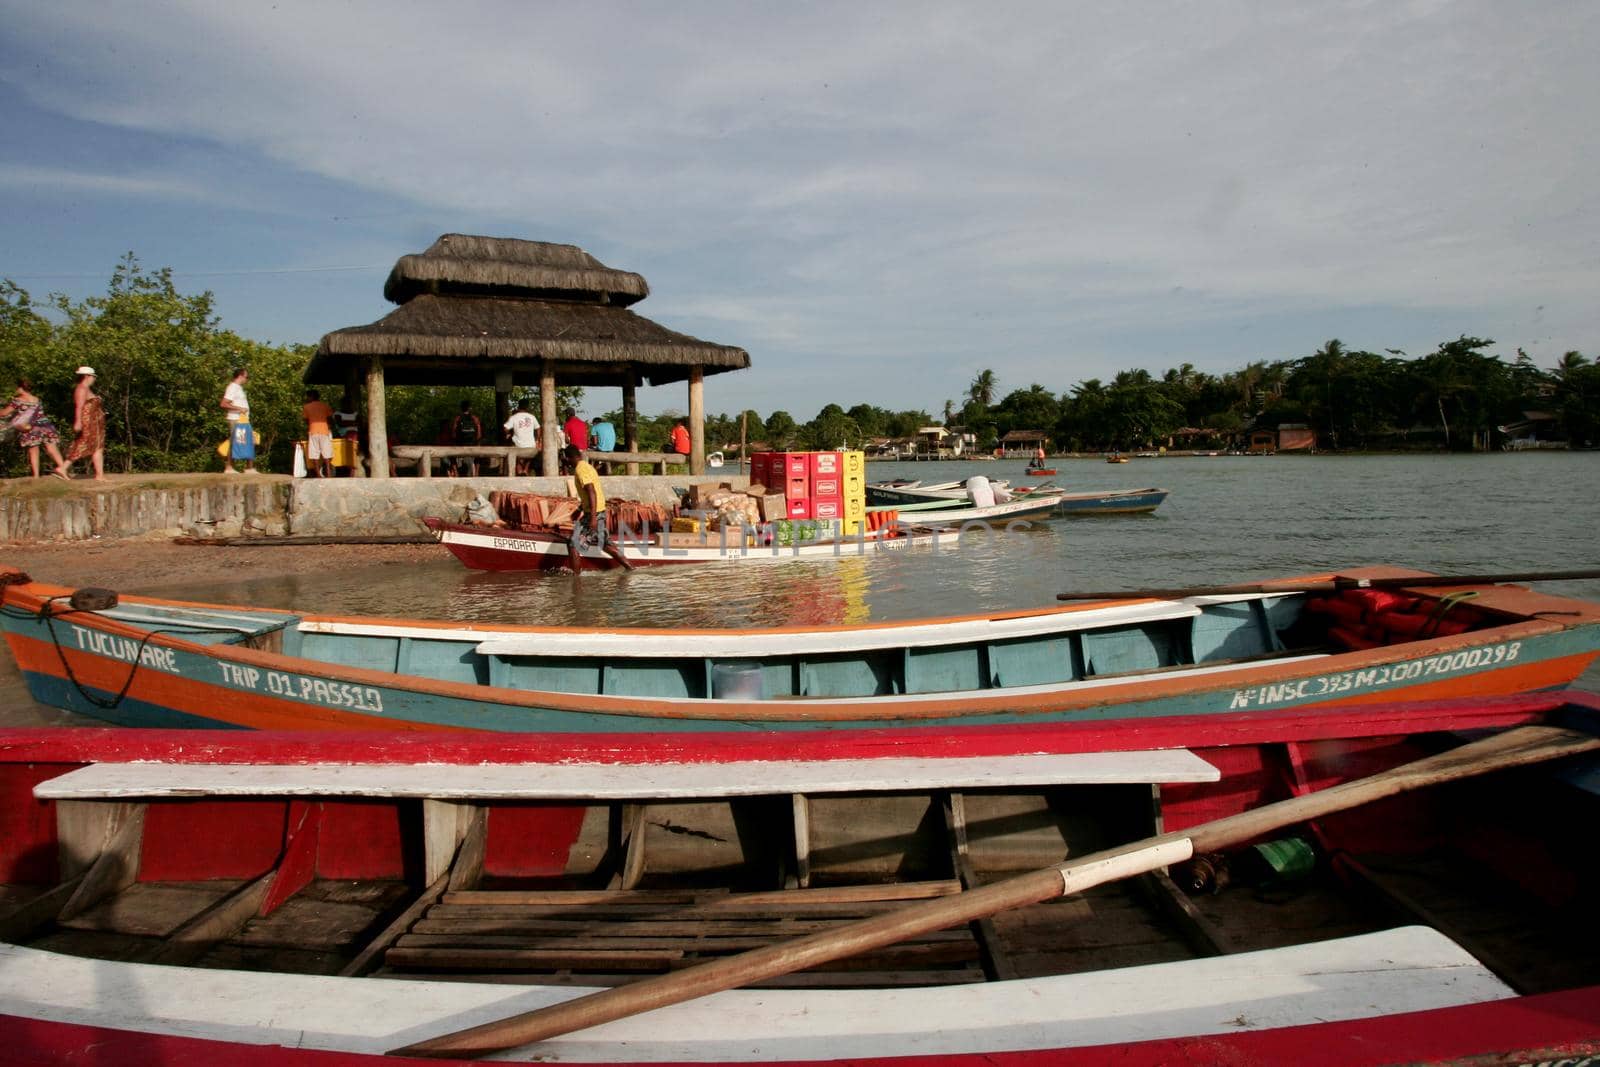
(855, 463)
(685, 524)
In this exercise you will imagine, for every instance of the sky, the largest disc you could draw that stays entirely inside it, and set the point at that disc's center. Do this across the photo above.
(876, 200)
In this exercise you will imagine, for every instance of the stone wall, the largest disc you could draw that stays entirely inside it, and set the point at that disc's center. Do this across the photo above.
(239, 506)
(386, 507)
(273, 505)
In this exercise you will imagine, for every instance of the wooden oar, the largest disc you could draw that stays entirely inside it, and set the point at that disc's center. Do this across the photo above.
(1529, 744)
(1333, 585)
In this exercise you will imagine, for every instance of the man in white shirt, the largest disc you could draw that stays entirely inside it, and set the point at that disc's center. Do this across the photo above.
(524, 431)
(241, 438)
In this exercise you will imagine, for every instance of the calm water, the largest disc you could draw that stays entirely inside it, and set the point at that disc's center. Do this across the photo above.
(1229, 519)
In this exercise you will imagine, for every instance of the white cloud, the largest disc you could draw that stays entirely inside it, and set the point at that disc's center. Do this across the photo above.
(862, 178)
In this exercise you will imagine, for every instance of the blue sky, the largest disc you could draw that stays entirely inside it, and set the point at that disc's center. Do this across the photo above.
(876, 200)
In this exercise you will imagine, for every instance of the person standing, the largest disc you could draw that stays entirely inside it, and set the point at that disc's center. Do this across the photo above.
(524, 431)
(241, 437)
(34, 428)
(88, 425)
(680, 438)
(590, 524)
(468, 433)
(576, 429)
(319, 433)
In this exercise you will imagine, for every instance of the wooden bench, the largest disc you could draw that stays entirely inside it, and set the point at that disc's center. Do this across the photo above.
(452, 795)
(635, 459)
(424, 455)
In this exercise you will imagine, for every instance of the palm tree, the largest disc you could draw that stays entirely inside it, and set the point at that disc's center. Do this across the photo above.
(949, 412)
(983, 387)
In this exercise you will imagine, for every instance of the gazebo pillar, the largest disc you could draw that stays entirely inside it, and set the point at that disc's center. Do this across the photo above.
(502, 402)
(630, 419)
(549, 429)
(697, 420)
(377, 429)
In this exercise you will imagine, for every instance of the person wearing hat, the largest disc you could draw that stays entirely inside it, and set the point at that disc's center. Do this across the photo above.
(89, 425)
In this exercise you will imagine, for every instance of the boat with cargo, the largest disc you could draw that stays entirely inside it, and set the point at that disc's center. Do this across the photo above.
(1368, 884)
(502, 548)
(1322, 641)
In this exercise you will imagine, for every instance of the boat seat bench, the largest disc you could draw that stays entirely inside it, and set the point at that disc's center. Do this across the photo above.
(1402, 970)
(448, 791)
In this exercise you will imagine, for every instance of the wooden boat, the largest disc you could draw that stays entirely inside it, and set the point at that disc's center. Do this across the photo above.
(934, 513)
(1116, 457)
(1040, 472)
(1286, 645)
(289, 899)
(497, 548)
(886, 494)
(1116, 502)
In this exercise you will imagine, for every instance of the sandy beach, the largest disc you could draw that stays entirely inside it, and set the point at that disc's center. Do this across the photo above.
(134, 566)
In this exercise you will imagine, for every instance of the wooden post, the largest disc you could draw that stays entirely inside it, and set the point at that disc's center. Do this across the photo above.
(502, 402)
(697, 420)
(630, 420)
(549, 428)
(744, 428)
(352, 403)
(377, 432)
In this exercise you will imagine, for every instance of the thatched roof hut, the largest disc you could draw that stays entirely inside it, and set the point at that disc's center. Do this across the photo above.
(505, 312)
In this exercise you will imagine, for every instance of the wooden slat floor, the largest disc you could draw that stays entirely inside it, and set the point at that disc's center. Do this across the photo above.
(599, 938)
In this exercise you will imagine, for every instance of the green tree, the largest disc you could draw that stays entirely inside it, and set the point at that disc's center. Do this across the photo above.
(780, 430)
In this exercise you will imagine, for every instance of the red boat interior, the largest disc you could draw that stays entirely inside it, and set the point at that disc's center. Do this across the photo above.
(603, 893)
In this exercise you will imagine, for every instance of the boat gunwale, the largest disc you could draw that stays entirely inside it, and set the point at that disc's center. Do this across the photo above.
(865, 709)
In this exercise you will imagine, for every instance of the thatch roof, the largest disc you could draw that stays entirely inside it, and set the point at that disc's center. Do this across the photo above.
(474, 307)
(442, 340)
(502, 266)
(1013, 437)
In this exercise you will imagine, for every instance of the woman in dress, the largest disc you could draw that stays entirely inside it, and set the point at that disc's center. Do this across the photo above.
(89, 424)
(33, 427)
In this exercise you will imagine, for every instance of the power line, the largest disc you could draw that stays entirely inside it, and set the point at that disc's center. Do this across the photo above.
(177, 273)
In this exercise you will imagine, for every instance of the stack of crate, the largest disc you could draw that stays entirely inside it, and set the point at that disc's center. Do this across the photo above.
(787, 474)
(829, 487)
(855, 492)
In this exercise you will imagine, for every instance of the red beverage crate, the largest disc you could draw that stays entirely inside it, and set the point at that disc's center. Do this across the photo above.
(759, 468)
(794, 464)
(800, 509)
(827, 508)
(829, 464)
(826, 485)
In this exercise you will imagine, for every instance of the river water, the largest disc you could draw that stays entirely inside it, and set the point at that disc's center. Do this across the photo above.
(1229, 519)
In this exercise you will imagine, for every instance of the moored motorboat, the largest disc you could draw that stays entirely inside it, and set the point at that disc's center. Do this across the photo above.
(1116, 502)
(1359, 886)
(1024, 508)
(885, 494)
(1286, 645)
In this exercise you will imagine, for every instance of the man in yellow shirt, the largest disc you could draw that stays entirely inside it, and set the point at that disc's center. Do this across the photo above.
(591, 520)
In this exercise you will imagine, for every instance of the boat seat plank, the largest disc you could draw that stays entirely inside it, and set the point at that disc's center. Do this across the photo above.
(788, 643)
(1409, 969)
(649, 781)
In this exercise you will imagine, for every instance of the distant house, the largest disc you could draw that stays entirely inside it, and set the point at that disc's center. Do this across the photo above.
(1536, 429)
(1295, 437)
(1024, 441)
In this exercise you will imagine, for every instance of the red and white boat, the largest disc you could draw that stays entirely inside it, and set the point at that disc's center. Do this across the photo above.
(502, 548)
(184, 897)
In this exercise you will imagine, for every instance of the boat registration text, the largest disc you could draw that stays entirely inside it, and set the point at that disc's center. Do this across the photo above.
(1391, 673)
